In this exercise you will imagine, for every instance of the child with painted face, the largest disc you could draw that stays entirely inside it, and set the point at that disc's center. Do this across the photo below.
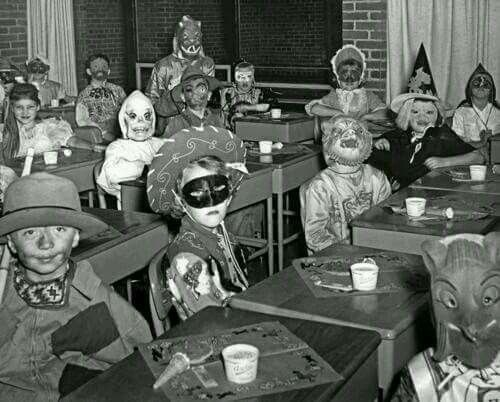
(126, 157)
(60, 324)
(420, 143)
(345, 189)
(196, 174)
(477, 117)
(243, 96)
(194, 90)
(22, 130)
(98, 104)
(349, 97)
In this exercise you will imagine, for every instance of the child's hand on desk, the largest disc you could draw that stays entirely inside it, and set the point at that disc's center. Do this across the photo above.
(435, 162)
(382, 144)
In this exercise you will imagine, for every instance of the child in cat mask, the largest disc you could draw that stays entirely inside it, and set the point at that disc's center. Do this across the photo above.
(196, 174)
(243, 96)
(349, 97)
(465, 290)
(127, 156)
(345, 189)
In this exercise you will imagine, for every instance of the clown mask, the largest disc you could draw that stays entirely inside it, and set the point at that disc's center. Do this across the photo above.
(244, 78)
(99, 70)
(345, 141)
(189, 37)
(196, 93)
(465, 288)
(423, 114)
(137, 117)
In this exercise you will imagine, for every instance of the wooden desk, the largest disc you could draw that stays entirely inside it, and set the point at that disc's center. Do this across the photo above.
(495, 149)
(400, 318)
(380, 228)
(289, 172)
(79, 167)
(437, 180)
(291, 127)
(136, 237)
(256, 187)
(350, 352)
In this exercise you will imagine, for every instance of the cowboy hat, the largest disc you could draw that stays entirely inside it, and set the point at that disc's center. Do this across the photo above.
(42, 199)
(399, 100)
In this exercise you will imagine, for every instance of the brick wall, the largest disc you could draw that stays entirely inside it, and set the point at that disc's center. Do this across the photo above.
(99, 28)
(365, 25)
(13, 26)
(156, 23)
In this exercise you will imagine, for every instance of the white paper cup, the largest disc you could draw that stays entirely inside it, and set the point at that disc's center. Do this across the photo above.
(415, 206)
(241, 361)
(50, 157)
(477, 172)
(364, 275)
(54, 102)
(265, 147)
(275, 113)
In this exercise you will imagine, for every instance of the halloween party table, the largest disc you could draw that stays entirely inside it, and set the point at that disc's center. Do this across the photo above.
(350, 352)
(78, 167)
(292, 166)
(387, 226)
(256, 187)
(290, 127)
(397, 310)
(134, 238)
(458, 179)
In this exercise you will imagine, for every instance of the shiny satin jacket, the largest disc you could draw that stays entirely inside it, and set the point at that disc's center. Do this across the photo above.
(41, 348)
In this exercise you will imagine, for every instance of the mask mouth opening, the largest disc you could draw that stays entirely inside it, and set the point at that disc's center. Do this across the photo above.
(192, 49)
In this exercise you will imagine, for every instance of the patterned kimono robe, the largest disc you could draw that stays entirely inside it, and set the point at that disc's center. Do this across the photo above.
(331, 200)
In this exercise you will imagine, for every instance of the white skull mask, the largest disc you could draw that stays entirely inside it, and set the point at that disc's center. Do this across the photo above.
(137, 117)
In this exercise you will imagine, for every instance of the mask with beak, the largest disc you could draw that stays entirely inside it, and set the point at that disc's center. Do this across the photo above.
(465, 287)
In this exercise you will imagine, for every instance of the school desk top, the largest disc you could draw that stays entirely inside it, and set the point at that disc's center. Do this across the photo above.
(349, 351)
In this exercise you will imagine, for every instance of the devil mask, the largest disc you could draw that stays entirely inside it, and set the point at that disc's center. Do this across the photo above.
(345, 141)
(137, 117)
(187, 39)
(465, 287)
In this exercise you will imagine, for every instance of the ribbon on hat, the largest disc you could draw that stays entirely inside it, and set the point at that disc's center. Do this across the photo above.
(240, 166)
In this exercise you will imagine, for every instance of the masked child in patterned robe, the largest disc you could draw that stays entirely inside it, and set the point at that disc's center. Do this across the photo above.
(196, 174)
(345, 189)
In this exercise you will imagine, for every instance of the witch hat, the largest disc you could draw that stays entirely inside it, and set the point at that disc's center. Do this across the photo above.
(421, 84)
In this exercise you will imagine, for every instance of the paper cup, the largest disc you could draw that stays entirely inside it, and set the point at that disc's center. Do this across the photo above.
(54, 102)
(364, 275)
(477, 172)
(265, 147)
(275, 113)
(241, 361)
(50, 157)
(415, 206)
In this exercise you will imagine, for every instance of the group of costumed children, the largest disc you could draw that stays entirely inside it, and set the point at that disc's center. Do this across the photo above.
(195, 168)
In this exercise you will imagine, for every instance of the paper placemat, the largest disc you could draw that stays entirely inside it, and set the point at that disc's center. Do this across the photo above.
(397, 274)
(285, 363)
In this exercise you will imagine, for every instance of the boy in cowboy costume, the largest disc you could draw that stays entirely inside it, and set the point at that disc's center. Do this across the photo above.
(60, 324)
(193, 94)
(196, 174)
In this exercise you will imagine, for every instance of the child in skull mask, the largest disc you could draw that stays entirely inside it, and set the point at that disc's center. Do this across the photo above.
(195, 91)
(98, 104)
(349, 98)
(197, 173)
(243, 96)
(127, 156)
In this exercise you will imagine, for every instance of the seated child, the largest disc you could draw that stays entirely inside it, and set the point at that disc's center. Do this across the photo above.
(61, 325)
(195, 90)
(127, 156)
(7, 176)
(478, 116)
(196, 175)
(242, 97)
(349, 97)
(22, 130)
(420, 143)
(345, 189)
(464, 364)
(48, 90)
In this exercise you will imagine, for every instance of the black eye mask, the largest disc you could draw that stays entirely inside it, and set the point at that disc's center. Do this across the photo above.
(206, 191)
(481, 81)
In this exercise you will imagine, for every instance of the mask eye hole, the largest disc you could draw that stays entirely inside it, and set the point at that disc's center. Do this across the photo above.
(447, 299)
(490, 296)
